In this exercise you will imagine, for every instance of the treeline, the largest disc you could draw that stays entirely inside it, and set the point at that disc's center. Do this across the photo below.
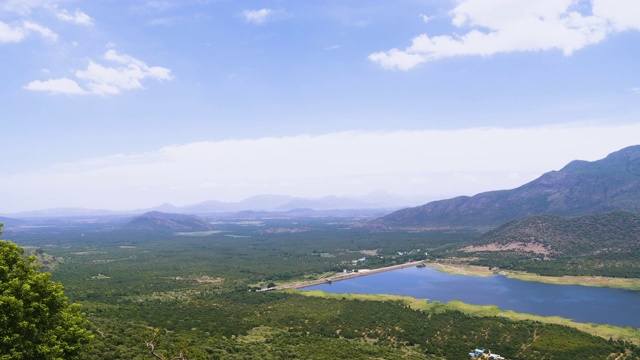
(561, 266)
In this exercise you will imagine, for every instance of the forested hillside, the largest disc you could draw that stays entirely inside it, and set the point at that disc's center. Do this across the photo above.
(160, 221)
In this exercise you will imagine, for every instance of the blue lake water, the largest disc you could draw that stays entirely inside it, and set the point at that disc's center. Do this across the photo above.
(580, 303)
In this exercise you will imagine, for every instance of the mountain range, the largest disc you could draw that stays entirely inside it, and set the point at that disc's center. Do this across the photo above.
(262, 203)
(581, 187)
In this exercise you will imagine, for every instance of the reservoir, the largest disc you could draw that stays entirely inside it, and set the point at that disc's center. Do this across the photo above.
(581, 303)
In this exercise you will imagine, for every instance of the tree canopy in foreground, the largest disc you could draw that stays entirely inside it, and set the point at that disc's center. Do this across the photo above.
(36, 319)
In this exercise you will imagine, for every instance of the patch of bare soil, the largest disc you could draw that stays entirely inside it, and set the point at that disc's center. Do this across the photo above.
(369, 252)
(200, 280)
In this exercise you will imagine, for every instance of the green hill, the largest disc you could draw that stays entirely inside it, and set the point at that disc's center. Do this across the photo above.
(603, 235)
(593, 244)
(158, 221)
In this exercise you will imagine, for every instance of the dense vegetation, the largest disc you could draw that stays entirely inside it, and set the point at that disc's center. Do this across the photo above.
(190, 293)
(252, 325)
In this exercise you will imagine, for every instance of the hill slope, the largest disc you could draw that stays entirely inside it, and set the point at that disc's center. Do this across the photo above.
(581, 187)
(603, 235)
(168, 222)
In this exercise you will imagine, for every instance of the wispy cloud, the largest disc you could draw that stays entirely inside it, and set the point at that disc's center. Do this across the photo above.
(124, 73)
(260, 16)
(24, 26)
(431, 163)
(40, 30)
(77, 17)
(516, 25)
(13, 34)
(23, 7)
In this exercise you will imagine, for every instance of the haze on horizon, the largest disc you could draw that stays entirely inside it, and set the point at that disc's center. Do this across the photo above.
(125, 105)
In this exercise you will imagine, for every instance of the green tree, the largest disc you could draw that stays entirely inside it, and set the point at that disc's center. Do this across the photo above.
(36, 319)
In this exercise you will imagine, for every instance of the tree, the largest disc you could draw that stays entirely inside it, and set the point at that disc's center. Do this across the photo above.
(36, 319)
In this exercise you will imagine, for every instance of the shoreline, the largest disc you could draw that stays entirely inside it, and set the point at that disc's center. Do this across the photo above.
(346, 276)
(593, 281)
(472, 270)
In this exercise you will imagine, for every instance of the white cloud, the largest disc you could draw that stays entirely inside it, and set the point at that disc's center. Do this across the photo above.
(622, 14)
(430, 163)
(127, 74)
(56, 86)
(77, 17)
(258, 16)
(514, 26)
(19, 33)
(425, 18)
(11, 34)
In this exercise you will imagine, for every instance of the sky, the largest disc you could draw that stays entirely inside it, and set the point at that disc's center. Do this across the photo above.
(120, 105)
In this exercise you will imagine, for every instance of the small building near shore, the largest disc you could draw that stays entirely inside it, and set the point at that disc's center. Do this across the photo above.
(479, 353)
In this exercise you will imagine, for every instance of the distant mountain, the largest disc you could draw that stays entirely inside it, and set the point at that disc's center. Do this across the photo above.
(305, 213)
(165, 208)
(581, 187)
(63, 212)
(382, 199)
(254, 203)
(265, 202)
(377, 200)
(159, 221)
(325, 203)
(261, 203)
(9, 222)
(602, 235)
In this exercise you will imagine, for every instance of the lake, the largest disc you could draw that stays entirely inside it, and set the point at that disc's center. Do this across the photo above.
(581, 303)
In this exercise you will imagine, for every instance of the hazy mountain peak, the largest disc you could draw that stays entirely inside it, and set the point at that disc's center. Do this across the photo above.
(160, 221)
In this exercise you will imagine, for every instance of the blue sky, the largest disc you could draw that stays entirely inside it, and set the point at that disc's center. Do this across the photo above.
(127, 104)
